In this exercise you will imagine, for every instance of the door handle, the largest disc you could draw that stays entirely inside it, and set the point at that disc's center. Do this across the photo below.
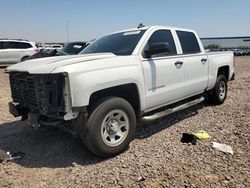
(203, 60)
(178, 63)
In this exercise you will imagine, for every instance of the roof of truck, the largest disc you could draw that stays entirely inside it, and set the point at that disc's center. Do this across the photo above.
(152, 27)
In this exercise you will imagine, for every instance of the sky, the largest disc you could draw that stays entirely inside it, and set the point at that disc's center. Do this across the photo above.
(46, 20)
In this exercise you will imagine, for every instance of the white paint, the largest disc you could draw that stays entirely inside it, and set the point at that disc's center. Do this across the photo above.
(159, 81)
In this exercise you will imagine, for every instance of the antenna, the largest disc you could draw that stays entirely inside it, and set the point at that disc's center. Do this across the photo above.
(140, 25)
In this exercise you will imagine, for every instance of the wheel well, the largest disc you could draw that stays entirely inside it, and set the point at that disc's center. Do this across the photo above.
(224, 71)
(128, 92)
(24, 58)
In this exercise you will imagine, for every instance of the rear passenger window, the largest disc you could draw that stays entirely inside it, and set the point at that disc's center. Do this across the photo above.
(26, 45)
(13, 45)
(19, 45)
(163, 36)
(188, 42)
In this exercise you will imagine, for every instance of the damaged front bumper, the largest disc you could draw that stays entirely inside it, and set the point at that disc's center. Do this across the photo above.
(45, 95)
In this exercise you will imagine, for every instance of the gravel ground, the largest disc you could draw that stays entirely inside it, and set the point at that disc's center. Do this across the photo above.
(156, 158)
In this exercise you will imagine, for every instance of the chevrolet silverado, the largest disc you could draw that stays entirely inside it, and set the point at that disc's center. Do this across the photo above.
(139, 74)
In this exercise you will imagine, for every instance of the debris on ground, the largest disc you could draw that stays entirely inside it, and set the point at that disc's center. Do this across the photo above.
(7, 156)
(223, 147)
(4, 156)
(201, 135)
(188, 138)
(141, 178)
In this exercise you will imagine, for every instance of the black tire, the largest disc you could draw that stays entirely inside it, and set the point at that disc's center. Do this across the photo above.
(217, 96)
(93, 136)
(24, 58)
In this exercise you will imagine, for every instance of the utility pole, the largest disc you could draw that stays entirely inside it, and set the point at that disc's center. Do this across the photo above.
(67, 31)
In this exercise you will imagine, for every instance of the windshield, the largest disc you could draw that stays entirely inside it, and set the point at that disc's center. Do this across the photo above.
(73, 48)
(122, 43)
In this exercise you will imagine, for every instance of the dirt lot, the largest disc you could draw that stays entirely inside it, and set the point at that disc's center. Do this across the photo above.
(155, 158)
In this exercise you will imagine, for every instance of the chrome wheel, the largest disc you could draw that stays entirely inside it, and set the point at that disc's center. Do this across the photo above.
(115, 127)
(222, 90)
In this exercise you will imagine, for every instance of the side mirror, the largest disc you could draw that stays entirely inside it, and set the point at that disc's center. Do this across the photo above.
(157, 48)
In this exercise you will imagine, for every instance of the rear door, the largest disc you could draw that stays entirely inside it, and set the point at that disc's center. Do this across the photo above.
(14, 51)
(3, 52)
(195, 63)
(164, 73)
(18, 50)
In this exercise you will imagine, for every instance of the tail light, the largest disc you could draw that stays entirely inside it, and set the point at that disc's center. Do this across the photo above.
(37, 50)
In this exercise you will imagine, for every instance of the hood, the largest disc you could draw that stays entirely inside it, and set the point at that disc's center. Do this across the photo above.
(47, 65)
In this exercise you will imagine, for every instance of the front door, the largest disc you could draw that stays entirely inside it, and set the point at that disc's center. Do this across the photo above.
(164, 73)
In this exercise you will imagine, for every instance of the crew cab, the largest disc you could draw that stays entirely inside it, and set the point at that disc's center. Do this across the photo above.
(139, 74)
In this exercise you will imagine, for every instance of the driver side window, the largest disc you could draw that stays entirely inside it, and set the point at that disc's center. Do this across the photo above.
(162, 36)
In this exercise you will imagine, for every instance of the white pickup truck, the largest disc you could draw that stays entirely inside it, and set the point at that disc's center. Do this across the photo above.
(118, 80)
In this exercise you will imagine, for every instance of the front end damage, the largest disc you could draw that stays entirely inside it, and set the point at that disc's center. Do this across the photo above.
(44, 98)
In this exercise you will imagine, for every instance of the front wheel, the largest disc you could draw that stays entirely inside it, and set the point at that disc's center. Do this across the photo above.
(219, 93)
(110, 127)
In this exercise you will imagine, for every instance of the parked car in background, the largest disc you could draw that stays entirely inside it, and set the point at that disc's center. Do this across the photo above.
(237, 52)
(52, 46)
(241, 52)
(15, 51)
(70, 48)
(45, 46)
(73, 48)
(56, 46)
(246, 52)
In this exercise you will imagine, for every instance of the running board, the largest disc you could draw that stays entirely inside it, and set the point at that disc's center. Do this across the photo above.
(172, 110)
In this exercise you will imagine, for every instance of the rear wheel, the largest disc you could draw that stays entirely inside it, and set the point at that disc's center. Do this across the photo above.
(24, 58)
(219, 92)
(110, 127)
